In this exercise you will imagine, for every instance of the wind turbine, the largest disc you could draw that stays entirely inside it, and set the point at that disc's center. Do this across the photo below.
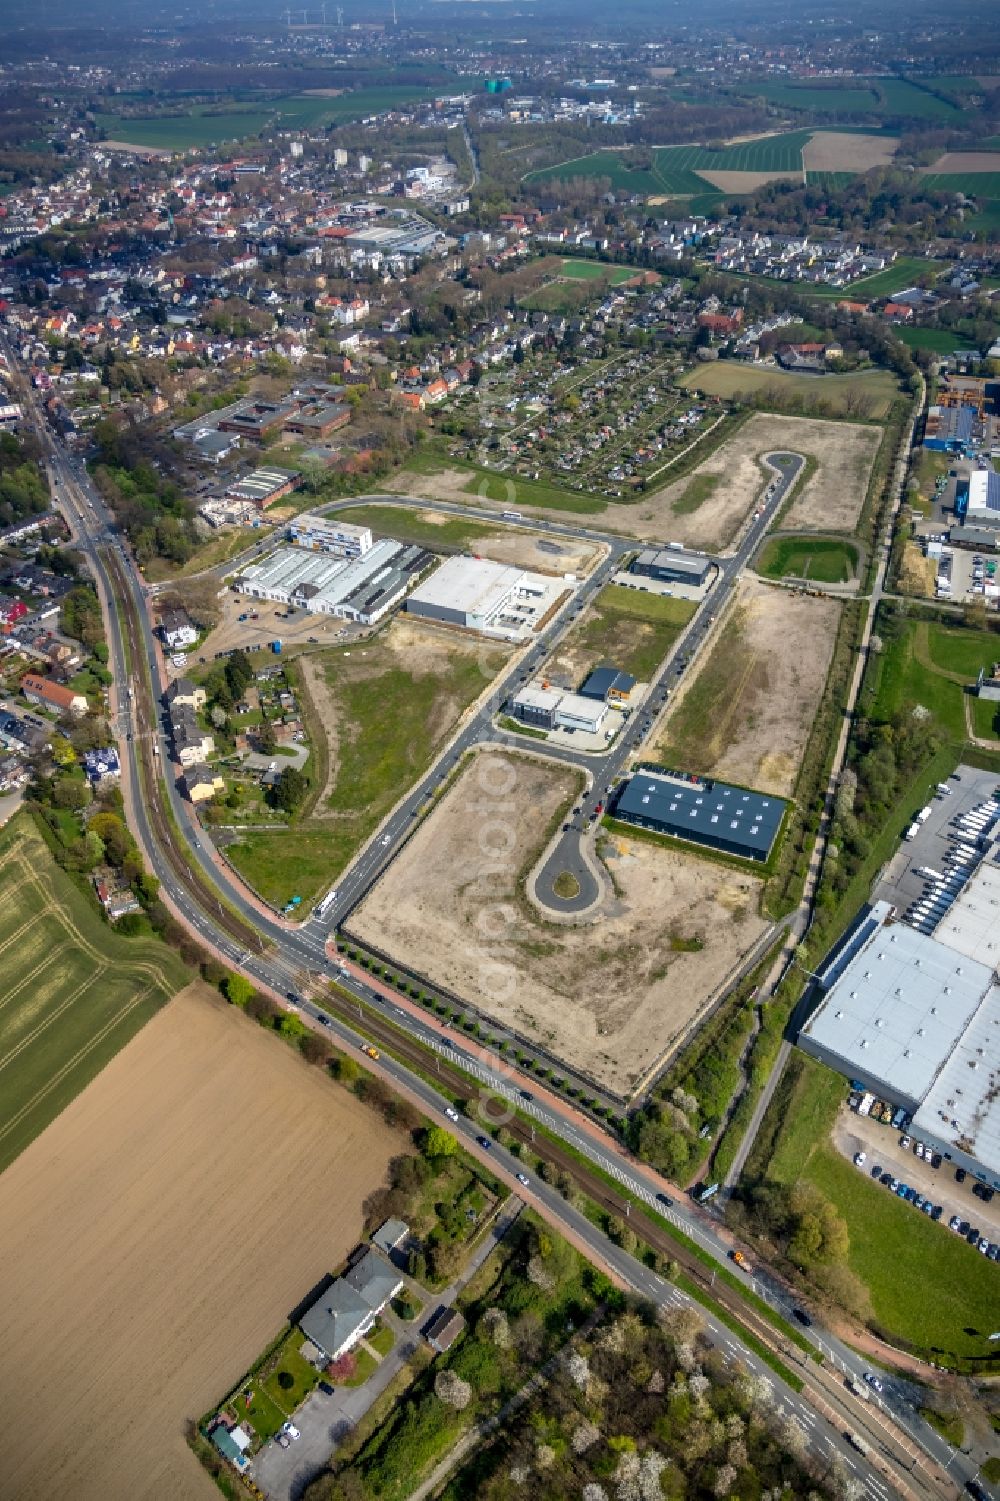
(288, 18)
(340, 16)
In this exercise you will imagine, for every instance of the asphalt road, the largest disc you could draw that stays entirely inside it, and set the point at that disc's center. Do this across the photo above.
(278, 968)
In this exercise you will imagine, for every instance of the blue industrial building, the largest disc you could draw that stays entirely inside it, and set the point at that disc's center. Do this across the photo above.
(714, 814)
(949, 429)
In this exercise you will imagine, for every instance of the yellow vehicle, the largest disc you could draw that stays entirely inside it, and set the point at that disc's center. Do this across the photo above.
(741, 1261)
(372, 1052)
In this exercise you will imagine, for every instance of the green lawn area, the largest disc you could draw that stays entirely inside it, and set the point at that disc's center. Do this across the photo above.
(895, 278)
(902, 679)
(963, 651)
(631, 628)
(824, 559)
(701, 488)
(407, 525)
(289, 1362)
(366, 1367)
(381, 1339)
(73, 991)
(391, 719)
(594, 270)
(728, 378)
(986, 219)
(264, 1416)
(986, 718)
(938, 340)
(926, 1286)
(514, 491)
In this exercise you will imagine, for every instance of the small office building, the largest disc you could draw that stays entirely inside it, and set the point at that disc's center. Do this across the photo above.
(555, 709)
(670, 565)
(713, 814)
(608, 684)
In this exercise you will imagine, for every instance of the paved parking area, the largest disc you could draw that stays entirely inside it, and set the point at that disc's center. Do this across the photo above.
(937, 837)
(855, 1133)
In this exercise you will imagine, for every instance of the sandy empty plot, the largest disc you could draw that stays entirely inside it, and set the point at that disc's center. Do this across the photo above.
(745, 715)
(155, 1237)
(746, 182)
(541, 554)
(966, 161)
(836, 151)
(608, 998)
(831, 498)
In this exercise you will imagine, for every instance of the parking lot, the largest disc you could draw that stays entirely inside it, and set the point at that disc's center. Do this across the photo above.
(881, 1144)
(937, 838)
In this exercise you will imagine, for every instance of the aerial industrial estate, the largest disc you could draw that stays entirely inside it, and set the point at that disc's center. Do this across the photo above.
(500, 753)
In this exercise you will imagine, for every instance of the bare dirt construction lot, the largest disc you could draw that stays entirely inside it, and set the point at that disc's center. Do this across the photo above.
(525, 549)
(745, 715)
(832, 496)
(154, 1239)
(610, 997)
(831, 151)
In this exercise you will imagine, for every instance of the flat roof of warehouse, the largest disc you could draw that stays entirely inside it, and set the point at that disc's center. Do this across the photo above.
(963, 1105)
(473, 585)
(691, 807)
(899, 1007)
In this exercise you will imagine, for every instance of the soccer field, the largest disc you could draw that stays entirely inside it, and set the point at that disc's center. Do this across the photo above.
(72, 992)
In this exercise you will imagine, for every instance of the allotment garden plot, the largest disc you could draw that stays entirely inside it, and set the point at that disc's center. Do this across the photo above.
(154, 1239)
(609, 998)
(73, 992)
(746, 714)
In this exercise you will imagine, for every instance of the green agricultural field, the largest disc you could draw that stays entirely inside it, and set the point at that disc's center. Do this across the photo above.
(902, 273)
(832, 180)
(962, 651)
(824, 560)
(382, 711)
(902, 98)
(629, 627)
(73, 991)
(183, 132)
(775, 153)
(976, 185)
(728, 377)
(835, 98)
(609, 164)
(926, 1286)
(986, 220)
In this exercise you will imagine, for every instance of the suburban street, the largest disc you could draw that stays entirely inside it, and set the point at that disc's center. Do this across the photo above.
(286, 951)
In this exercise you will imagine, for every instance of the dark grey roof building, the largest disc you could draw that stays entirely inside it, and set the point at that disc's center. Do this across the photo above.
(671, 565)
(606, 683)
(714, 814)
(348, 1309)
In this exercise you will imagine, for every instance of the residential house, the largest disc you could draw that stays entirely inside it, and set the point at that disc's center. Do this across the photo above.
(183, 693)
(200, 783)
(39, 690)
(346, 1312)
(176, 628)
(191, 743)
(444, 1329)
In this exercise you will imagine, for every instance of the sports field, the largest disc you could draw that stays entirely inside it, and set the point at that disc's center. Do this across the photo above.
(594, 270)
(825, 560)
(729, 377)
(72, 993)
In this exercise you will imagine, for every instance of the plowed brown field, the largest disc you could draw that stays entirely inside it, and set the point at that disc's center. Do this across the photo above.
(155, 1237)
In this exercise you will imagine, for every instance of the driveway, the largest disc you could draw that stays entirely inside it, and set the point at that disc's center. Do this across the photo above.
(323, 1422)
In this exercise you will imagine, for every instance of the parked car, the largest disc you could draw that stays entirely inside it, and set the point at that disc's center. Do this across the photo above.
(860, 1158)
(327, 1389)
(960, 1175)
(904, 1142)
(291, 1430)
(877, 1170)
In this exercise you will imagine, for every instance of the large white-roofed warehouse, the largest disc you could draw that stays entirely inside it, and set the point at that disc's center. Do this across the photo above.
(915, 1018)
(480, 595)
